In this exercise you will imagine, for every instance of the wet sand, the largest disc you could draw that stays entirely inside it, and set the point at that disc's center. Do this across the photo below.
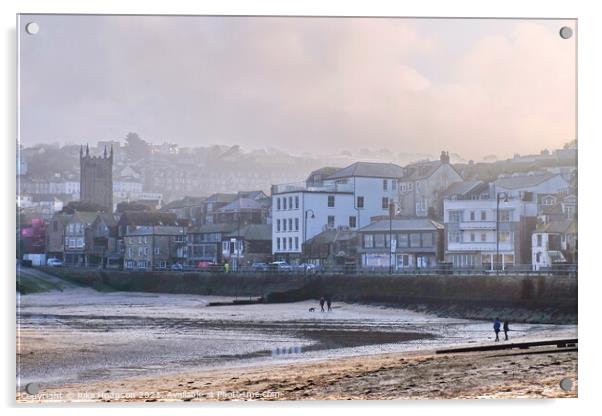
(536, 374)
(83, 345)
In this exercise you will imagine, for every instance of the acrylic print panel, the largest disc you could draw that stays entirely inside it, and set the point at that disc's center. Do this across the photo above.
(288, 208)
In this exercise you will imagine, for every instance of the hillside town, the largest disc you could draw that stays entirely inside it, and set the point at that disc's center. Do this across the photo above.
(142, 207)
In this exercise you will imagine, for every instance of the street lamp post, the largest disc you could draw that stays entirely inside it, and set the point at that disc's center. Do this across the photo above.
(497, 225)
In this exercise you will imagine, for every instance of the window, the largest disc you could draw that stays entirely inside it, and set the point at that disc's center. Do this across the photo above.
(368, 240)
(290, 202)
(483, 215)
(140, 251)
(157, 250)
(284, 224)
(330, 201)
(296, 202)
(385, 203)
(284, 243)
(393, 184)
(360, 202)
(290, 243)
(296, 224)
(539, 240)
(427, 240)
(504, 237)
(352, 221)
(414, 240)
(290, 224)
(385, 183)
(505, 215)
(296, 243)
(455, 216)
(278, 243)
(453, 237)
(472, 215)
(538, 258)
(402, 240)
(472, 237)
(278, 203)
(283, 203)
(278, 225)
(483, 237)
(331, 221)
(379, 240)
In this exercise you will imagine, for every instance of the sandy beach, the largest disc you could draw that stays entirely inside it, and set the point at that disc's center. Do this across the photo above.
(85, 346)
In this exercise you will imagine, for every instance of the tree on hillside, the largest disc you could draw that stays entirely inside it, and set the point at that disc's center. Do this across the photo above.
(136, 148)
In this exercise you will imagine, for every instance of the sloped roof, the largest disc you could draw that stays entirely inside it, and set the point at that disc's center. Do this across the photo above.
(421, 170)
(108, 219)
(325, 172)
(462, 188)
(185, 202)
(86, 217)
(239, 204)
(254, 232)
(369, 170)
(214, 228)
(524, 181)
(403, 224)
(558, 227)
(220, 197)
(330, 236)
(148, 218)
(255, 195)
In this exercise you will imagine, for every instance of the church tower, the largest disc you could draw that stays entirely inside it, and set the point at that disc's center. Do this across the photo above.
(96, 178)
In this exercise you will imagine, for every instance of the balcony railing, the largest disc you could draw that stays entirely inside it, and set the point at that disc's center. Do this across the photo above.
(480, 246)
(302, 187)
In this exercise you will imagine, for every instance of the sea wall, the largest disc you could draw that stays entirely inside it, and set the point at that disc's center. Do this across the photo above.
(544, 299)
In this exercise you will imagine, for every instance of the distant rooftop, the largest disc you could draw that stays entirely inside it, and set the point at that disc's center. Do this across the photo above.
(524, 181)
(369, 170)
(403, 224)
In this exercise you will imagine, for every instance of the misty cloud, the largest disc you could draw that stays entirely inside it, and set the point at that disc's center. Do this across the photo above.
(321, 85)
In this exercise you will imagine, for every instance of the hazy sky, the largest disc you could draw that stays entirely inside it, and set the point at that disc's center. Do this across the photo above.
(474, 87)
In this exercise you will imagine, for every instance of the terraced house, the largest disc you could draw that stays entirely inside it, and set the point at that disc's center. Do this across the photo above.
(401, 243)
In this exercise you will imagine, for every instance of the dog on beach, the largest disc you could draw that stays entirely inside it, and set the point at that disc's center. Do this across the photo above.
(312, 309)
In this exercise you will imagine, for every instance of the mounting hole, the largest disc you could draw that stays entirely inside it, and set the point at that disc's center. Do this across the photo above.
(32, 388)
(566, 32)
(32, 28)
(566, 384)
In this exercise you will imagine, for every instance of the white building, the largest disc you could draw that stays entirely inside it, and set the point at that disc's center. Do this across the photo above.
(347, 198)
(472, 233)
(518, 185)
(554, 243)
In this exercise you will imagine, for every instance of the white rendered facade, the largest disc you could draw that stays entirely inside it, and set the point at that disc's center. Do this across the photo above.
(471, 235)
(344, 202)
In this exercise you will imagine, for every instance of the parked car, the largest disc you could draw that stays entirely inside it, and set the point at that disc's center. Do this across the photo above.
(281, 266)
(259, 267)
(177, 267)
(54, 262)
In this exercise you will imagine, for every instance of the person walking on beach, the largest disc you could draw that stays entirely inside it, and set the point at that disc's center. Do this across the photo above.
(322, 303)
(329, 303)
(496, 328)
(506, 329)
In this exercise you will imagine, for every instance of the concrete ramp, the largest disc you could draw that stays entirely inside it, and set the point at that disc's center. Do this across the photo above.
(32, 280)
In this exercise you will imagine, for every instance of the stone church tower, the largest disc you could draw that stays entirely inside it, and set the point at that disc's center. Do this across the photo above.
(96, 178)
